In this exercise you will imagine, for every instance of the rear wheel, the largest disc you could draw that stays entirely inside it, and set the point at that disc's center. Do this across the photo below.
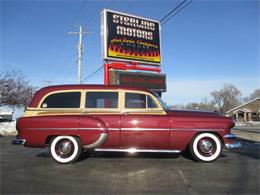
(65, 149)
(205, 147)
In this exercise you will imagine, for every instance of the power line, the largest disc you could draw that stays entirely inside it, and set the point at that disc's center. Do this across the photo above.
(173, 10)
(99, 69)
(61, 48)
(165, 19)
(176, 12)
(73, 65)
(92, 74)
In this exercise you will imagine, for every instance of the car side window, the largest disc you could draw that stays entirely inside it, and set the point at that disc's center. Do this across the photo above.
(62, 100)
(151, 103)
(101, 100)
(135, 100)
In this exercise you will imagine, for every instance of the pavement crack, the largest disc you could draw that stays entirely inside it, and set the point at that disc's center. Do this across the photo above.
(184, 179)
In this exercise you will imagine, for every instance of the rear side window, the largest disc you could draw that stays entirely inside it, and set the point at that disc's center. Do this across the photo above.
(62, 100)
(101, 100)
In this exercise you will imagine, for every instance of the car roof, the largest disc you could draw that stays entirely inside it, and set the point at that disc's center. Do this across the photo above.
(43, 91)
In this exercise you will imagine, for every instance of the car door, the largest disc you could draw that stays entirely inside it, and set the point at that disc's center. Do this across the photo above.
(101, 114)
(144, 124)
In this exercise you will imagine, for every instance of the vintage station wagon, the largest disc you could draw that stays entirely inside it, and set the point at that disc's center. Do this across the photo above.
(71, 119)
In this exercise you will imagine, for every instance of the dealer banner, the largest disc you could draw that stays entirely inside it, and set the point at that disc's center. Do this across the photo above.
(130, 38)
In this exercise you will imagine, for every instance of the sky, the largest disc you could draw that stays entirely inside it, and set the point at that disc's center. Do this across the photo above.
(207, 44)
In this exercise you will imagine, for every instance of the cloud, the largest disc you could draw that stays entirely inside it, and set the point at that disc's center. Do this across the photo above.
(185, 91)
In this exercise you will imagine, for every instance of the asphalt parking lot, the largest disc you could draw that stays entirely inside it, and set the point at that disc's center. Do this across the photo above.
(32, 171)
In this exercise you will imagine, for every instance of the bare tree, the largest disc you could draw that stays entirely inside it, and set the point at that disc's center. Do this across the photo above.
(254, 95)
(226, 98)
(205, 106)
(15, 91)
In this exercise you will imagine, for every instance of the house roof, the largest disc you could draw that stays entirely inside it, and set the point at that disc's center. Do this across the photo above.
(256, 99)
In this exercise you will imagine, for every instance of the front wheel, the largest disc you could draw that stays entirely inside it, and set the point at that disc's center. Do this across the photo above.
(65, 149)
(205, 147)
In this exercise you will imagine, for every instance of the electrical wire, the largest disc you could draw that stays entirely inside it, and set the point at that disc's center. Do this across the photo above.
(92, 74)
(173, 10)
(176, 12)
(165, 19)
(61, 48)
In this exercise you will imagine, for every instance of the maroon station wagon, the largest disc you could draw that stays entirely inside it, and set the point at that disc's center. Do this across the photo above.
(71, 119)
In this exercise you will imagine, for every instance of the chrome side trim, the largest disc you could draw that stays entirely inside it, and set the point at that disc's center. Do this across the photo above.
(230, 136)
(125, 129)
(144, 129)
(50, 128)
(233, 145)
(134, 150)
(167, 129)
(85, 128)
(103, 137)
(113, 129)
(74, 128)
(187, 129)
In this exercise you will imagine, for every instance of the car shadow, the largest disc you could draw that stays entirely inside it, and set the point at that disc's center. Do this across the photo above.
(133, 155)
(97, 154)
(249, 149)
(44, 154)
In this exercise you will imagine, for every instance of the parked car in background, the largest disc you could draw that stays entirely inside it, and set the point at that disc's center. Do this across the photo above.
(70, 119)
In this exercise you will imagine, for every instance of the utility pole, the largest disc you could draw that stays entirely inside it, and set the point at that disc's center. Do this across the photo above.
(79, 49)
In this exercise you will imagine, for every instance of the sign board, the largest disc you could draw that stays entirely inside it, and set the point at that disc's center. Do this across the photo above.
(152, 81)
(130, 38)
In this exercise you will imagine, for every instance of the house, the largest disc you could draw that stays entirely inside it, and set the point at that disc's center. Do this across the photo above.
(247, 112)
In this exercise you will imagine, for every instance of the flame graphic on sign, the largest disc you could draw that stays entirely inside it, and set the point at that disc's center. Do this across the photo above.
(149, 55)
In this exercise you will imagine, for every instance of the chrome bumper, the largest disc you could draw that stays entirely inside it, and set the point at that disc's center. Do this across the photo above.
(18, 141)
(233, 145)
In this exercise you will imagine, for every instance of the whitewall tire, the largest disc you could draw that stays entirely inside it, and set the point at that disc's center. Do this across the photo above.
(65, 149)
(205, 147)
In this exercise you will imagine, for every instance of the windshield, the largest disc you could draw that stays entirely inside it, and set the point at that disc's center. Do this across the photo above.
(163, 104)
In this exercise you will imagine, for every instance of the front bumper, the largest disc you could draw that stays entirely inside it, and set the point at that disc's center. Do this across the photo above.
(18, 141)
(234, 144)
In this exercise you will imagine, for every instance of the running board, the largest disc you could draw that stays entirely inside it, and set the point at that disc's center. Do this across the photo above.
(134, 150)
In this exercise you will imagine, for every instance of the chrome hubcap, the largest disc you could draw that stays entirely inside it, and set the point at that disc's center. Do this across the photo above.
(206, 146)
(64, 148)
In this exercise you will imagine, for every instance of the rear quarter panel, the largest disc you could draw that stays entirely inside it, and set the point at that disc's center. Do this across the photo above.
(36, 129)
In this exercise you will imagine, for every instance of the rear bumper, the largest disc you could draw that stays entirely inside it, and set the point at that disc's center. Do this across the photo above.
(18, 141)
(234, 144)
